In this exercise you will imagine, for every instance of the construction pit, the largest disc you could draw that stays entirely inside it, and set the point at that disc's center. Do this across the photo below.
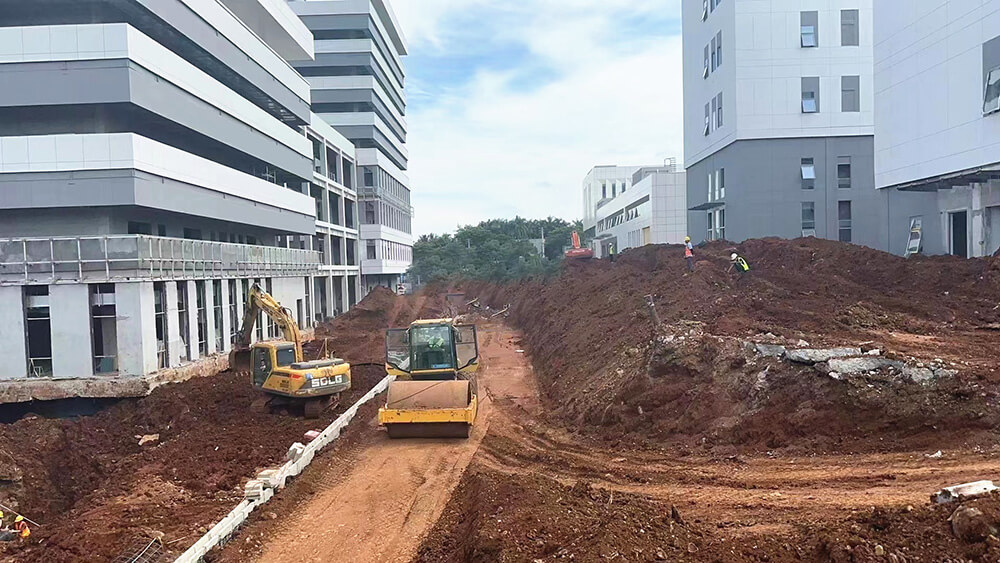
(806, 412)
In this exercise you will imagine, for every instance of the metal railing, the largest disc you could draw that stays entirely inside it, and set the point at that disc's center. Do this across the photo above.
(116, 257)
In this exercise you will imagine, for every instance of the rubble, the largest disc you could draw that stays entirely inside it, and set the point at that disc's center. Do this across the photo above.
(815, 356)
(963, 491)
(852, 366)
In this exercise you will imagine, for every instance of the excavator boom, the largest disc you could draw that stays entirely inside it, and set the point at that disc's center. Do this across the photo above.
(259, 300)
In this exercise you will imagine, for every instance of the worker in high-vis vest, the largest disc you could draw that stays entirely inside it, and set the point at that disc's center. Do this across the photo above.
(736, 262)
(21, 527)
(689, 253)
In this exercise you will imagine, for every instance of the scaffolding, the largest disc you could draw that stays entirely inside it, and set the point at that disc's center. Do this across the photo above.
(110, 258)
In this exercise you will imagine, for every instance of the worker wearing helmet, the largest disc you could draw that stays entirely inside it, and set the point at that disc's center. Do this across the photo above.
(689, 253)
(739, 264)
(21, 527)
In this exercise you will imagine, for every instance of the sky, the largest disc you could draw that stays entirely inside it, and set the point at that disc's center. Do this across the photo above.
(511, 103)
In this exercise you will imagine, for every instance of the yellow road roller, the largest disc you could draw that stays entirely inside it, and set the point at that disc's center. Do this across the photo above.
(434, 394)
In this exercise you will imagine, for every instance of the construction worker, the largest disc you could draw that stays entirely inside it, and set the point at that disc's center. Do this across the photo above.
(21, 527)
(739, 264)
(611, 251)
(689, 253)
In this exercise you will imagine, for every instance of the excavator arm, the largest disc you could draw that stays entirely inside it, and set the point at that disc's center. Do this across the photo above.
(259, 300)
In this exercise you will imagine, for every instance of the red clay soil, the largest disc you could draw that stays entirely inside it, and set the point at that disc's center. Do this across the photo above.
(605, 373)
(95, 489)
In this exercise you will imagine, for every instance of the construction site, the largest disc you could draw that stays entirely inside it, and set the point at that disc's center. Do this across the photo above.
(816, 409)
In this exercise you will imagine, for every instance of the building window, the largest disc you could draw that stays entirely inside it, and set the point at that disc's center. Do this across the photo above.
(718, 112)
(808, 174)
(317, 195)
(182, 317)
(708, 119)
(718, 50)
(844, 216)
(160, 319)
(708, 51)
(220, 343)
(715, 112)
(614, 189)
(844, 172)
(104, 328)
(192, 234)
(809, 22)
(371, 250)
(161, 230)
(39, 328)
(711, 186)
(137, 228)
(849, 35)
(200, 300)
(715, 61)
(808, 219)
(234, 313)
(720, 182)
(991, 103)
(810, 94)
(704, 10)
(850, 97)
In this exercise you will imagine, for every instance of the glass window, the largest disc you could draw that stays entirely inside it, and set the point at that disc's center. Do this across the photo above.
(844, 172)
(715, 62)
(850, 96)
(718, 50)
(844, 217)
(718, 114)
(708, 51)
(809, 26)
(808, 174)
(704, 10)
(715, 111)
(720, 182)
(849, 28)
(809, 102)
(286, 356)
(711, 186)
(991, 103)
(708, 119)
(808, 217)
(432, 348)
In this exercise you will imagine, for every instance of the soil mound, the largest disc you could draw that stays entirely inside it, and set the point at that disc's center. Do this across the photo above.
(607, 370)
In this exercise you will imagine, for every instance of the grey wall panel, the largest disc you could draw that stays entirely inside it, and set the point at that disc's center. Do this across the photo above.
(56, 83)
(54, 222)
(67, 189)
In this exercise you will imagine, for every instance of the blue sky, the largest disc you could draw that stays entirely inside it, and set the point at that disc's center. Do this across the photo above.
(511, 103)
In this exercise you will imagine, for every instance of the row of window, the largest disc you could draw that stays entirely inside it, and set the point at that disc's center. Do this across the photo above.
(331, 214)
(708, 6)
(717, 224)
(143, 228)
(614, 189)
(332, 164)
(849, 33)
(329, 247)
(844, 221)
(388, 250)
(713, 55)
(850, 94)
(375, 177)
(381, 213)
(633, 211)
(713, 115)
(717, 184)
(843, 173)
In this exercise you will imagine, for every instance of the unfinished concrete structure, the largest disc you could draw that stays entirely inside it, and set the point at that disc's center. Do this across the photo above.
(156, 158)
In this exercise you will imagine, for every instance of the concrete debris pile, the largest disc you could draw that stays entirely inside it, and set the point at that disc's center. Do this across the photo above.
(838, 363)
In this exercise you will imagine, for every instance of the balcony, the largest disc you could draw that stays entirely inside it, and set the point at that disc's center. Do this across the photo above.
(97, 259)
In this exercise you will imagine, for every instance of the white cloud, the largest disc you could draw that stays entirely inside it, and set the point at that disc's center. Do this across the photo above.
(498, 145)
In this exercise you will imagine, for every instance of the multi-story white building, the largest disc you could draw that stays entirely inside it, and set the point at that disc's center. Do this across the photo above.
(634, 206)
(602, 184)
(779, 118)
(357, 80)
(937, 124)
(155, 160)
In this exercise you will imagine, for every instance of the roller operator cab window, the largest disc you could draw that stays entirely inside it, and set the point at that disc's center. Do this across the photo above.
(432, 348)
(286, 356)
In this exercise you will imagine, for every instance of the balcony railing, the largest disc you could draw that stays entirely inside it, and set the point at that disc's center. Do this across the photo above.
(120, 257)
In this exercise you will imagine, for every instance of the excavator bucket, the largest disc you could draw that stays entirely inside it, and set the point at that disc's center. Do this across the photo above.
(239, 361)
(429, 409)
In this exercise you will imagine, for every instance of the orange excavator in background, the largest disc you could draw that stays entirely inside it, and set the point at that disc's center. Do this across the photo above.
(577, 251)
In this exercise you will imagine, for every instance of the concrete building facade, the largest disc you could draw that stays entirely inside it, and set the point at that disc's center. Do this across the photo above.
(937, 124)
(357, 80)
(634, 206)
(157, 158)
(779, 119)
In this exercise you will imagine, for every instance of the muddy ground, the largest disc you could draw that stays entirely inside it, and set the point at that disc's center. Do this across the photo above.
(96, 491)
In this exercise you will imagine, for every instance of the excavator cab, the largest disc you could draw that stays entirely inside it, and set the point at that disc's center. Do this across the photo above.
(434, 394)
(269, 355)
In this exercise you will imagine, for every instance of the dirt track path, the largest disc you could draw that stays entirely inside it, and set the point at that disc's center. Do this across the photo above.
(381, 505)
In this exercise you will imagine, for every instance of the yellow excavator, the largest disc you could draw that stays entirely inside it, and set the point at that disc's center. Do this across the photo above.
(278, 367)
(434, 394)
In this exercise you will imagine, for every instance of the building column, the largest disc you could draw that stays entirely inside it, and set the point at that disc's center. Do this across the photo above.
(227, 323)
(69, 314)
(210, 328)
(192, 314)
(329, 297)
(12, 333)
(175, 348)
(978, 239)
(345, 294)
(136, 311)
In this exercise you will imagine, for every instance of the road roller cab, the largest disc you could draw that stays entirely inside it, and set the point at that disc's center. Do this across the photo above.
(434, 394)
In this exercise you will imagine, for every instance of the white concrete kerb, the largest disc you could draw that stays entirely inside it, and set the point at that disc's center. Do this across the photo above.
(261, 489)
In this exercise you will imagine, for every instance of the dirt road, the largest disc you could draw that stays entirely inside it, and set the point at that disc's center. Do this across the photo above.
(380, 505)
